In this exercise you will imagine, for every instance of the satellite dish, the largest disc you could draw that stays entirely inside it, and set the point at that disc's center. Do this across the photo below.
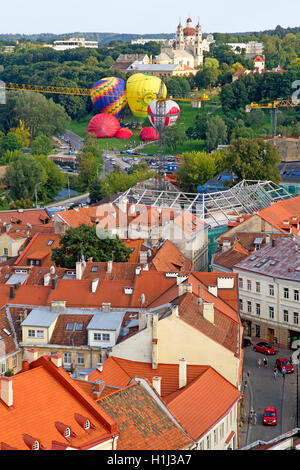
(52, 269)
(143, 298)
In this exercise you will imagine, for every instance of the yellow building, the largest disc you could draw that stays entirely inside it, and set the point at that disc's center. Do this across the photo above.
(12, 243)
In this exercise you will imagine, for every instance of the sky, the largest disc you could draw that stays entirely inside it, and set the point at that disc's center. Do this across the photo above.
(145, 17)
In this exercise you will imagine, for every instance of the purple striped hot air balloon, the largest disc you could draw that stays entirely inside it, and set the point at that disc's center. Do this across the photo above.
(109, 96)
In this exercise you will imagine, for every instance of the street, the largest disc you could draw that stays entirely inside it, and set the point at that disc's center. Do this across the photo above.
(264, 390)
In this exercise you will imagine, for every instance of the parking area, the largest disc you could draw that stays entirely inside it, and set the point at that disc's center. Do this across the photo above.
(261, 389)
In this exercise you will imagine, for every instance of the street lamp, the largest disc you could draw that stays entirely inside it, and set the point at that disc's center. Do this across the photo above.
(36, 193)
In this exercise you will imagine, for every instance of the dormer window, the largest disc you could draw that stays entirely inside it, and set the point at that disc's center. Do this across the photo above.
(36, 445)
(84, 422)
(87, 424)
(65, 430)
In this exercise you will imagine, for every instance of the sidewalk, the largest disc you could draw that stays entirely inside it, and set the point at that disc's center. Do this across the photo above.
(244, 411)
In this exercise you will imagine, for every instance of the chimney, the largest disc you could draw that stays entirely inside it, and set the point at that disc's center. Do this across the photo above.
(138, 270)
(273, 242)
(106, 306)
(109, 267)
(31, 355)
(58, 306)
(268, 239)
(156, 384)
(95, 283)
(47, 279)
(56, 359)
(209, 312)
(184, 287)
(182, 372)
(7, 390)
(25, 365)
(226, 245)
(54, 281)
(100, 366)
(12, 292)
(79, 269)
(213, 290)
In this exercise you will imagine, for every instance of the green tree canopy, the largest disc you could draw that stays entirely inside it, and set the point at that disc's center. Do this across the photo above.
(83, 241)
(196, 168)
(22, 176)
(216, 133)
(252, 159)
(41, 145)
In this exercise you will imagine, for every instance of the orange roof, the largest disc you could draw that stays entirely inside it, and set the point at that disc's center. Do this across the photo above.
(135, 246)
(258, 58)
(170, 258)
(277, 213)
(57, 399)
(197, 408)
(39, 248)
(26, 216)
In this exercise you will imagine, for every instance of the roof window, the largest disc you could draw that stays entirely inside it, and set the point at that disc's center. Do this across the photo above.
(50, 242)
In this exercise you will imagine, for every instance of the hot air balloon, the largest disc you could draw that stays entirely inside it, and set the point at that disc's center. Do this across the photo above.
(109, 96)
(141, 90)
(104, 125)
(170, 115)
(149, 133)
(123, 133)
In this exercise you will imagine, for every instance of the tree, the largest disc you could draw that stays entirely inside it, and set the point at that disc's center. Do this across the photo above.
(96, 190)
(10, 142)
(216, 133)
(41, 145)
(22, 134)
(87, 169)
(195, 169)
(227, 98)
(252, 160)
(83, 241)
(54, 180)
(174, 136)
(22, 176)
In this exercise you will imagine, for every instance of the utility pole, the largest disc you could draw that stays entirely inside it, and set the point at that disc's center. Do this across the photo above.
(159, 119)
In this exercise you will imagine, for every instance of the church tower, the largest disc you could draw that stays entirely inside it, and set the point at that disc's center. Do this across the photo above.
(179, 37)
(198, 51)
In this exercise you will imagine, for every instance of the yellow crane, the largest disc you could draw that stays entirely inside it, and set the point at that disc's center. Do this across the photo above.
(273, 107)
(77, 91)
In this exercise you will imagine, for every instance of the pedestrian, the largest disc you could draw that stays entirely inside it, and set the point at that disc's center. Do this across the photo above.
(254, 418)
(259, 362)
(265, 362)
(275, 372)
(283, 372)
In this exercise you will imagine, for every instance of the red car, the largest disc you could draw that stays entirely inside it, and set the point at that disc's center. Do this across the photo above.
(264, 348)
(284, 364)
(270, 416)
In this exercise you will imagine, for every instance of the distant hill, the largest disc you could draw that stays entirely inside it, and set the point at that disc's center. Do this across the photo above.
(102, 38)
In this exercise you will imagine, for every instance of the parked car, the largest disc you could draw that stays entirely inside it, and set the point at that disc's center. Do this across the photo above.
(264, 348)
(270, 416)
(282, 363)
(247, 341)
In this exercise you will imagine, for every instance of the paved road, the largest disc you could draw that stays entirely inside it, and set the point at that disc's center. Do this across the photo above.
(263, 390)
(75, 140)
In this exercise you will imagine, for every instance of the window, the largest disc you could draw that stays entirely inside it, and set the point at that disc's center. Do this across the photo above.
(249, 285)
(201, 445)
(67, 358)
(296, 318)
(271, 289)
(296, 295)
(70, 326)
(105, 336)
(80, 358)
(87, 424)
(271, 312)
(15, 361)
(222, 431)
(40, 334)
(78, 326)
(31, 333)
(208, 442)
(36, 445)
(50, 242)
(285, 293)
(257, 287)
(94, 269)
(97, 336)
(215, 436)
(241, 304)
(257, 331)
(67, 432)
(240, 282)
(285, 315)
(3, 367)
(257, 306)
(249, 307)
(5, 251)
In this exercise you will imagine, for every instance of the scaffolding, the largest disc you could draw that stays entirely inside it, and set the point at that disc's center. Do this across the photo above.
(216, 209)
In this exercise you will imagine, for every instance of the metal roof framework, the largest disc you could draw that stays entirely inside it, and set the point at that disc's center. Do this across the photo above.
(217, 208)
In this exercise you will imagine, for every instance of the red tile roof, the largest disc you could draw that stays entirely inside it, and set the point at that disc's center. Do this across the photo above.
(280, 211)
(170, 258)
(38, 249)
(197, 408)
(26, 216)
(44, 396)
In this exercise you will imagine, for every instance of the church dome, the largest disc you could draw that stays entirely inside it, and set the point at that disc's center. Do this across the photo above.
(189, 31)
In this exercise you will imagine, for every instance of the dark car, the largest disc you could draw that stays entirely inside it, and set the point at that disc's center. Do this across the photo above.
(247, 341)
(270, 416)
(264, 348)
(284, 364)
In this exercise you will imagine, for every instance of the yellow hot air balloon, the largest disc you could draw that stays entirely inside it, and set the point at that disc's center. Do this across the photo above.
(141, 90)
